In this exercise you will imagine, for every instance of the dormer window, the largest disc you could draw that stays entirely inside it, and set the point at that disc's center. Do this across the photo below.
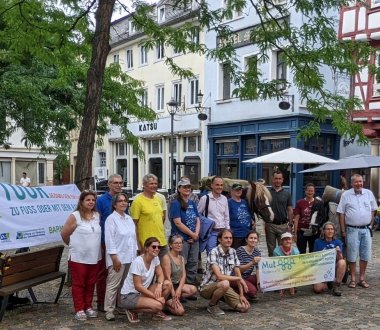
(161, 14)
(132, 27)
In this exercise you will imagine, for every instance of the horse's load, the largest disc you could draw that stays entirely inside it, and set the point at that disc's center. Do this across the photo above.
(206, 183)
(332, 194)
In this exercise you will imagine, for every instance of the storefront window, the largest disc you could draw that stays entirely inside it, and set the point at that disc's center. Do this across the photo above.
(320, 145)
(228, 168)
(269, 145)
(250, 146)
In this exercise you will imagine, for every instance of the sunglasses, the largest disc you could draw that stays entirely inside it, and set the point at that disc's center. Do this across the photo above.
(155, 247)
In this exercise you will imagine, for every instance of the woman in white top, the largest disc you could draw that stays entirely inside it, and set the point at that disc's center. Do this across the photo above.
(138, 294)
(81, 233)
(121, 249)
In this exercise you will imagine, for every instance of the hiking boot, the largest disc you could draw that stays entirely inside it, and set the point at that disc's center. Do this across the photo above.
(215, 310)
(80, 316)
(110, 316)
(336, 290)
(91, 313)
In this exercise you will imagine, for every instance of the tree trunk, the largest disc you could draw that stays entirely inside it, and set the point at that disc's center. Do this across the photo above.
(87, 135)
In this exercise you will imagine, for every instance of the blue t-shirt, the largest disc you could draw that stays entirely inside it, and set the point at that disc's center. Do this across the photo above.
(188, 217)
(240, 217)
(321, 244)
(104, 207)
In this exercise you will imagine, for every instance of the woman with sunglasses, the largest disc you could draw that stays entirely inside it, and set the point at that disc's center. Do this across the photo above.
(121, 249)
(81, 233)
(138, 294)
(173, 265)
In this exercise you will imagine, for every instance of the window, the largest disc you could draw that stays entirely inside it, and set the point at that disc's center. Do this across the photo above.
(115, 58)
(375, 3)
(320, 145)
(177, 92)
(144, 98)
(225, 81)
(271, 144)
(160, 101)
(143, 55)
(194, 88)
(228, 168)
(227, 147)
(376, 86)
(155, 146)
(192, 143)
(280, 70)
(41, 173)
(121, 149)
(129, 59)
(195, 36)
(161, 14)
(231, 13)
(250, 146)
(102, 159)
(132, 27)
(160, 51)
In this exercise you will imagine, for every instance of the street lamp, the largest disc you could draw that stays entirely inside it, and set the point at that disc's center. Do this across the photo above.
(287, 102)
(200, 109)
(173, 106)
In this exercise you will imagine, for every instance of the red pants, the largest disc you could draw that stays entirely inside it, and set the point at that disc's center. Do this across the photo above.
(83, 284)
(101, 280)
(251, 282)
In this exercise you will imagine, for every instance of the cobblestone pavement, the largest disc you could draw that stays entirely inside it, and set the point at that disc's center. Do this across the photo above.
(356, 309)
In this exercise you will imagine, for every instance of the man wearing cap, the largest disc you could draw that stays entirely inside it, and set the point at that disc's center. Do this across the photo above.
(185, 222)
(217, 210)
(356, 210)
(283, 212)
(240, 215)
(147, 213)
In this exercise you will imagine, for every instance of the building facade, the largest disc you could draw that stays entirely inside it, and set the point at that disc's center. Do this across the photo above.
(241, 129)
(361, 22)
(147, 65)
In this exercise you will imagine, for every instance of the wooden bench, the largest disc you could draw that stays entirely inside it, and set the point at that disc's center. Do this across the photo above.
(30, 269)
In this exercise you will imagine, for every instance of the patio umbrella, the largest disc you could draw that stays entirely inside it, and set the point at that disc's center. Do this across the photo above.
(351, 162)
(291, 156)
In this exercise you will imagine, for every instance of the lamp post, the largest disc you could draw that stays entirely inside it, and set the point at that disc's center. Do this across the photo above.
(173, 106)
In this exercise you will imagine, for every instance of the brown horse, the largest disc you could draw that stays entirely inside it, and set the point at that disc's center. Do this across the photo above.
(259, 199)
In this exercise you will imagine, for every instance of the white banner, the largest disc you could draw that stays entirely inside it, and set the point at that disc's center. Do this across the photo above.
(32, 216)
(278, 273)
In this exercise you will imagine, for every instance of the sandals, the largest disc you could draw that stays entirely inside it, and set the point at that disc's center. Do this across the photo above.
(352, 285)
(363, 284)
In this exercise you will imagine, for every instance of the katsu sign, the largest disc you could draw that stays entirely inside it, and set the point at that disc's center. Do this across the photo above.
(32, 216)
(278, 273)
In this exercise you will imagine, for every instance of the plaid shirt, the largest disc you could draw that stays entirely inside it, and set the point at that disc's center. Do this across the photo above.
(226, 262)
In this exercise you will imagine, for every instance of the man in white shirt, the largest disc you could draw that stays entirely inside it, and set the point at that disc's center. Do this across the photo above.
(25, 181)
(217, 210)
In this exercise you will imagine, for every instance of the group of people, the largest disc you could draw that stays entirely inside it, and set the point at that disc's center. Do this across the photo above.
(125, 254)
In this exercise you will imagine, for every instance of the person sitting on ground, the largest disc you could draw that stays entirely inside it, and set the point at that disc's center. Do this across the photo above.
(249, 256)
(121, 249)
(82, 233)
(139, 294)
(329, 241)
(222, 262)
(173, 266)
(286, 249)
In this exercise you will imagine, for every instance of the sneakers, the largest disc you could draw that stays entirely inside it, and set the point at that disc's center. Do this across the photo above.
(91, 313)
(110, 316)
(132, 316)
(161, 316)
(336, 290)
(215, 310)
(80, 316)
(120, 311)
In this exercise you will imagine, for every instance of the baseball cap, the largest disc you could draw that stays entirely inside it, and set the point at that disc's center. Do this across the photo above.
(184, 182)
(286, 235)
(236, 186)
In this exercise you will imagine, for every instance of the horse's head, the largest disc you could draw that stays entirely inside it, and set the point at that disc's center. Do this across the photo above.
(259, 199)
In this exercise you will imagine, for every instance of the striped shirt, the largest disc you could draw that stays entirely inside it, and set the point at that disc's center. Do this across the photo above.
(246, 258)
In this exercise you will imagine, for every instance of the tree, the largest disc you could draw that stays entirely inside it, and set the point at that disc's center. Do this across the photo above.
(52, 74)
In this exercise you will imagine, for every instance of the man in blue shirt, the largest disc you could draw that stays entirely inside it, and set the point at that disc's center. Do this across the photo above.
(103, 206)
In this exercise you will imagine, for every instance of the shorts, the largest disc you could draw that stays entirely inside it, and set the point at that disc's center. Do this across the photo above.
(129, 300)
(359, 243)
(231, 298)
